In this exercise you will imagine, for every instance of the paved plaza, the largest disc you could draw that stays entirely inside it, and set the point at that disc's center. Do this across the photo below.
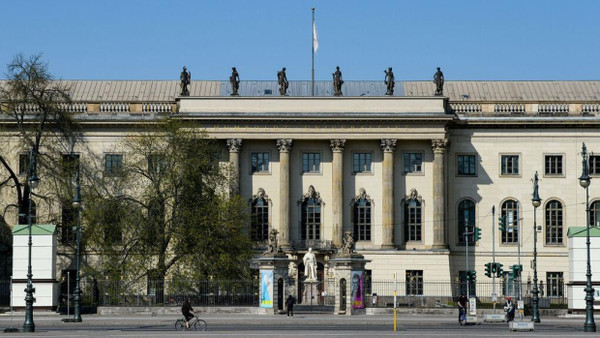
(302, 325)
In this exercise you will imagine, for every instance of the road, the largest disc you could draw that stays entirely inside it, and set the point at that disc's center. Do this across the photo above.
(301, 326)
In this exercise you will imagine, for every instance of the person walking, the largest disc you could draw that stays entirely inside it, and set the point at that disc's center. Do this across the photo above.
(462, 309)
(289, 304)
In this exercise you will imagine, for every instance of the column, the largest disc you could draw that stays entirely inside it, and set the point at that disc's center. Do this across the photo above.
(439, 147)
(235, 146)
(285, 147)
(337, 147)
(387, 197)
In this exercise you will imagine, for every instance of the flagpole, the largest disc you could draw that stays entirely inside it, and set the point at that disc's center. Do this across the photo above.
(312, 43)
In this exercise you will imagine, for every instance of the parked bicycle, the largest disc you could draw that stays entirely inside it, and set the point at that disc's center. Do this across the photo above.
(195, 324)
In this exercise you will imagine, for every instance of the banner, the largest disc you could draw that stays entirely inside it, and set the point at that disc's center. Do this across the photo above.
(358, 297)
(266, 289)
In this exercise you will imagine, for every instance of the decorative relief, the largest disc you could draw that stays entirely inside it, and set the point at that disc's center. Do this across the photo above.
(338, 145)
(234, 144)
(388, 144)
(414, 195)
(312, 194)
(260, 194)
(362, 194)
(439, 145)
(284, 144)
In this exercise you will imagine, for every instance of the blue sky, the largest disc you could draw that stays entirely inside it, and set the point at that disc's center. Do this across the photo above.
(151, 39)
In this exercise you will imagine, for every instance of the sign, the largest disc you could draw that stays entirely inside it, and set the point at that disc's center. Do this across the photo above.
(472, 306)
(266, 289)
(357, 291)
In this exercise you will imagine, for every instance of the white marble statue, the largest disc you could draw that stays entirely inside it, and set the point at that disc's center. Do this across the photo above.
(310, 265)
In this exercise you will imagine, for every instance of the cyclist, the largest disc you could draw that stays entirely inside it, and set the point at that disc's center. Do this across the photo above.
(188, 312)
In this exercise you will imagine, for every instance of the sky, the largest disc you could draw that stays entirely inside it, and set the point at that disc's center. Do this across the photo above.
(154, 39)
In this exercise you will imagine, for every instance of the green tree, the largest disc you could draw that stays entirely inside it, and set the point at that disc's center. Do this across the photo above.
(167, 211)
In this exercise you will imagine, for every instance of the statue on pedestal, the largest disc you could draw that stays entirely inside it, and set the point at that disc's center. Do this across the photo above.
(310, 265)
(348, 244)
(438, 79)
(282, 81)
(186, 79)
(234, 79)
(273, 244)
(337, 82)
(389, 81)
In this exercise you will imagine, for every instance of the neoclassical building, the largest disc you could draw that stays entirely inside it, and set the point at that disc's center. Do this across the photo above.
(405, 174)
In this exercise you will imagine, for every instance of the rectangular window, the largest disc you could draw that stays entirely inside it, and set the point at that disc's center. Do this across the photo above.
(69, 222)
(509, 165)
(311, 162)
(594, 164)
(362, 220)
(554, 165)
(113, 163)
(412, 220)
(156, 164)
(413, 162)
(362, 162)
(24, 160)
(555, 284)
(260, 162)
(414, 282)
(465, 165)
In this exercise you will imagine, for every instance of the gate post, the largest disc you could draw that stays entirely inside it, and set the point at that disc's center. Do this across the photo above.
(273, 273)
(349, 274)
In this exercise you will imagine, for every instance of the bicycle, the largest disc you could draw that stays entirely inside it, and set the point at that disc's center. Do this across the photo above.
(195, 324)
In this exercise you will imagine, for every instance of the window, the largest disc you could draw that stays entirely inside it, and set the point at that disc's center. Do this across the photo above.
(24, 211)
(362, 217)
(413, 162)
(156, 164)
(554, 222)
(362, 162)
(260, 162)
(111, 221)
(554, 165)
(311, 162)
(113, 163)
(310, 219)
(595, 214)
(465, 165)
(412, 220)
(509, 165)
(414, 282)
(69, 221)
(466, 220)
(24, 161)
(259, 221)
(70, 163)
(510, 212)
(555, 284)
(594, 164)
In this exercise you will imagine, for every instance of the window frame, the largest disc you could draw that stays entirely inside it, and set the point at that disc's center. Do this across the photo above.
(562, 165)
(319, 168)
(421, 170)
(414, 282)
(253, 169)
(259, 231)
(555, 278)
(114, 169)
(24, 163)
(594, 165)
(554, 223)
(368, 162)
(518, 166)
(504, 213)
(363, 231)
(458, 173)
(460, 222)
(413, 227)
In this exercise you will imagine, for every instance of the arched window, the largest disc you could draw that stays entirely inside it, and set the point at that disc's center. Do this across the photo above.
(510, 211)
(595, 214)
(361, 212)
(412, 216)
(310, 227)
(465, 219)
(259, 217)
(554, 222)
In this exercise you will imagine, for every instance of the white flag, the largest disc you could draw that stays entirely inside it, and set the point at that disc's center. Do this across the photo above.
(315, 38)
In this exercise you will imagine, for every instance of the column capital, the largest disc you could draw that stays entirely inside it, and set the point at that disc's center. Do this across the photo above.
(337, 145)
(388, 144)
(234, 145)
(284, 145)
(439, 145)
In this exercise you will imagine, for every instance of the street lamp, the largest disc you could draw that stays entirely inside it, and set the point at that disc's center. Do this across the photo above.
(584, 181)
(33, 181)
(77, 291)
(535, 201)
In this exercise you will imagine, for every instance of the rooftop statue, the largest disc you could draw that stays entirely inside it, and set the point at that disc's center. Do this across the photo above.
(389, 81)
(282, 81)
(438, 79)
(337, 82)
(186, 79)
(234, 79)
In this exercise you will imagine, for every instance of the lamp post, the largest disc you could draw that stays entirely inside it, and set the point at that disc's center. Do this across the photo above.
(584, 181)
(33, 180)
(77, 291)
(535, 201)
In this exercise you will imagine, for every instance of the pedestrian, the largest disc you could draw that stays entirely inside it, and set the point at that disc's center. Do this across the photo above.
(289, 304)
(509, 308)
(462, 309)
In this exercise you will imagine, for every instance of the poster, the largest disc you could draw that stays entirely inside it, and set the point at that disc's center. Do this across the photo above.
(357, 291)
(266, 289)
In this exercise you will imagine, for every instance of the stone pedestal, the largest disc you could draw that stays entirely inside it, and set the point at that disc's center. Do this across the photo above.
(272, 282)
(310, 295)
(347, 268)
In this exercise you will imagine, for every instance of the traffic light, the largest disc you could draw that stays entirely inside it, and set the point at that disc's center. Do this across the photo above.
(471, 276)
(516, 270)
(489, 268)
(477, 233)
(498, 269)
(502, 223)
